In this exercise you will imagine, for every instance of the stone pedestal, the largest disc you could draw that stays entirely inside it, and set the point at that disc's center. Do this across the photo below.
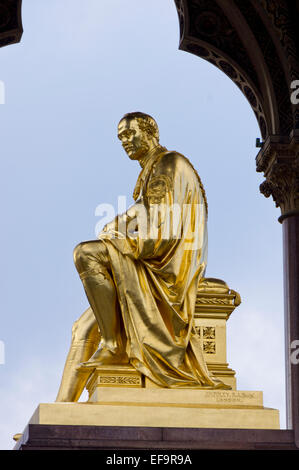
(146, 441)
(214, 304)
(117, 376)
(122, 398)
(121, 406)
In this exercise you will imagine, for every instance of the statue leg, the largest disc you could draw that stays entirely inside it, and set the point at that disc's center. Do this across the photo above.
(93, 265)
(85, 341)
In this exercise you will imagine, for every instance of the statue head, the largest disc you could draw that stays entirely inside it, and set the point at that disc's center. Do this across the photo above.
(138, 133)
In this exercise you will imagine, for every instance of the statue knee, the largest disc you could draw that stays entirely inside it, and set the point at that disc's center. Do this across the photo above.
(82, 256)
(90, 254)
(79, 252)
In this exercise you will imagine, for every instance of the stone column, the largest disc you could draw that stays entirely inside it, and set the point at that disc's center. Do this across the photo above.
(291, 286)
(279, 161)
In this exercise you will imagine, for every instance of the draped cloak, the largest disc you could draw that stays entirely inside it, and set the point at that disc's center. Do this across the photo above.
(156, 268)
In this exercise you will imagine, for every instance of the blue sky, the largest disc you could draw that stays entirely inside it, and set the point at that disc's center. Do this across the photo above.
(79, 67)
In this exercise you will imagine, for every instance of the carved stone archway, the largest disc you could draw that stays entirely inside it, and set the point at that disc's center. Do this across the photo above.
(256, 43)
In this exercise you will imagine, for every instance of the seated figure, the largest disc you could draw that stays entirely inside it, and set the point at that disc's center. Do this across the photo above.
(141, 275)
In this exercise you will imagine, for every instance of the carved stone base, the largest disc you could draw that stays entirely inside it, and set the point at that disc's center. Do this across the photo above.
(122, 406)
(214, 304)
(113, 376)
(126, 376)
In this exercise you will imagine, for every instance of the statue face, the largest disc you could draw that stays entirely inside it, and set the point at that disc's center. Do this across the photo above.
(133, 140)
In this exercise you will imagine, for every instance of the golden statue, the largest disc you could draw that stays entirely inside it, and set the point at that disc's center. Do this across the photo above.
(141, 276)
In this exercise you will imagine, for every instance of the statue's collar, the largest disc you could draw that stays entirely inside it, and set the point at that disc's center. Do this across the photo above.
(149, 160)
(154, 152)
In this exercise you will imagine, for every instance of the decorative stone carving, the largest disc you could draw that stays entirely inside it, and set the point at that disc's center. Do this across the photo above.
(260, 56)
(284, 18)
(256, 44)
(209, 347)
(214, 304)
(113, 376)
(279, 161)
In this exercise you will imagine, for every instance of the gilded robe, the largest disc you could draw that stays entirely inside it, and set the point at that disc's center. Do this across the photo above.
(156, 269)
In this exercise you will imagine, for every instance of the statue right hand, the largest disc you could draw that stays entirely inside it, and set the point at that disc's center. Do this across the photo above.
(109, 226)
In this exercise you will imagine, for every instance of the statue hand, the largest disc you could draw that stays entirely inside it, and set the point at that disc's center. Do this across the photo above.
(109, 226)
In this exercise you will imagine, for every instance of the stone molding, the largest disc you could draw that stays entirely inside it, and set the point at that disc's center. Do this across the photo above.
(279, 161)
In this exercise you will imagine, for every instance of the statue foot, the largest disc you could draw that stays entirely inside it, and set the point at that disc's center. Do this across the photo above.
(222, 386)
(104, 357)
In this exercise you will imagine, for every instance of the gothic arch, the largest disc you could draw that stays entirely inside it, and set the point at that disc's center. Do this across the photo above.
(253, 43)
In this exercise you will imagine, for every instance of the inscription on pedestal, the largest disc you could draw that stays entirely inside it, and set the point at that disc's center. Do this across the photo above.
(233, 397)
